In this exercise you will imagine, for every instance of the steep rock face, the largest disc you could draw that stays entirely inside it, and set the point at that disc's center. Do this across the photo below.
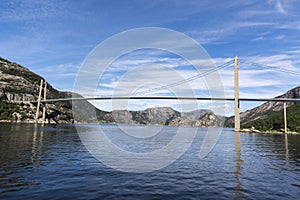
(19, 84)
(11, 96)
(13, 84)
(180, 121)
(2, 95)
(122, 116)
(262, 111)
(195, 114)
(159, 115)
(210, 120)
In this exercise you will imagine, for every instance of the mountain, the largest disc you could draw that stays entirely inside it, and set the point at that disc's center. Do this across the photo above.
(164, 116)
(18, 84)
(275, 120)
(156, 115)
(267, 110)
(208, 119)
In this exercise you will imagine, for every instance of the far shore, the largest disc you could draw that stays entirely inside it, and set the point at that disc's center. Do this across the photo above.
(269, 132)
(250, 131)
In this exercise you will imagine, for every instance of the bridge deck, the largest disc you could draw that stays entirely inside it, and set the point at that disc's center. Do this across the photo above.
(167, 98)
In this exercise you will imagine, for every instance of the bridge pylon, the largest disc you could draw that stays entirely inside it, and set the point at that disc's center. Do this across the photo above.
(39, 101)
(236, 96)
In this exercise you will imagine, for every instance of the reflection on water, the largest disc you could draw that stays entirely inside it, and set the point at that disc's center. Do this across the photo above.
(286, 142)
(22, 146)
(50, 162)
(37, 143)
(239, 161)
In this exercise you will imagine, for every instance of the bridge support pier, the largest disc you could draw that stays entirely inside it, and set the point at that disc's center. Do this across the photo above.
(39, 101)
(44, 105)
(284, 116)
(236, 96)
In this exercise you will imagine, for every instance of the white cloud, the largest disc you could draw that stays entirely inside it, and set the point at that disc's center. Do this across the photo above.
(294, 25)
(260, 38)
(279, 37)
(236, 23)
(60, 70)
(279, 5)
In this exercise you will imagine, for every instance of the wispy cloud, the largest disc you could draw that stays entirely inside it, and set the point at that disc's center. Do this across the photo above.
(253, 79)
(279, 5)
(279, 37)
(60, 70)
(53, 37)
(293, 25)
(260, 38)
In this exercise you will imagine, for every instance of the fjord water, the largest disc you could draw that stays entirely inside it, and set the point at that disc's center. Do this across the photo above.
(50, 162)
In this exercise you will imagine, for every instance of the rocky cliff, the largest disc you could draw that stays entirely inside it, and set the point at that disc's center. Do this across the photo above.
(265, 109)
(164, 116)
(208, 119)
(18, 85)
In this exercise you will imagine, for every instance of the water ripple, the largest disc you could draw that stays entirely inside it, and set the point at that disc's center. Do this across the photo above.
(50, 162)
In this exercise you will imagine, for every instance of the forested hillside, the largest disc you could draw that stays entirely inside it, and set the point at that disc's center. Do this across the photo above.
(275, 120)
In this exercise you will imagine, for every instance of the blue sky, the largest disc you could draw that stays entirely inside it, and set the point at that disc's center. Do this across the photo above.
(52, 38)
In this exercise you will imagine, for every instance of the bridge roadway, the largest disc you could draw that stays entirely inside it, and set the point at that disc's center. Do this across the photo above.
(166, 98)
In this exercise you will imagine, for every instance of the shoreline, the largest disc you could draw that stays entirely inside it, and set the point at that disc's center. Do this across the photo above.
(249, 131)
(270, 132)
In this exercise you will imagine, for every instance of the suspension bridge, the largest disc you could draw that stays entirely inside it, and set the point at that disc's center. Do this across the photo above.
(236, 99)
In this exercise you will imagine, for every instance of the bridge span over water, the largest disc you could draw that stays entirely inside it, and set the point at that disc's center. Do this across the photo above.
(165, 98)
(236, 97)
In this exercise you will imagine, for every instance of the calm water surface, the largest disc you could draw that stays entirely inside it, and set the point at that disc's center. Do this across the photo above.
(50, 162)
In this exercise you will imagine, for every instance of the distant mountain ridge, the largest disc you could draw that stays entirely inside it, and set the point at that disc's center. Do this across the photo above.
(164, 116)
(18, 83)
(267, 109)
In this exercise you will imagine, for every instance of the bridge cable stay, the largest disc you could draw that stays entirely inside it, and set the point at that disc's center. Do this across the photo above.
(229, 63)
(185, 80)
(291, 72)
